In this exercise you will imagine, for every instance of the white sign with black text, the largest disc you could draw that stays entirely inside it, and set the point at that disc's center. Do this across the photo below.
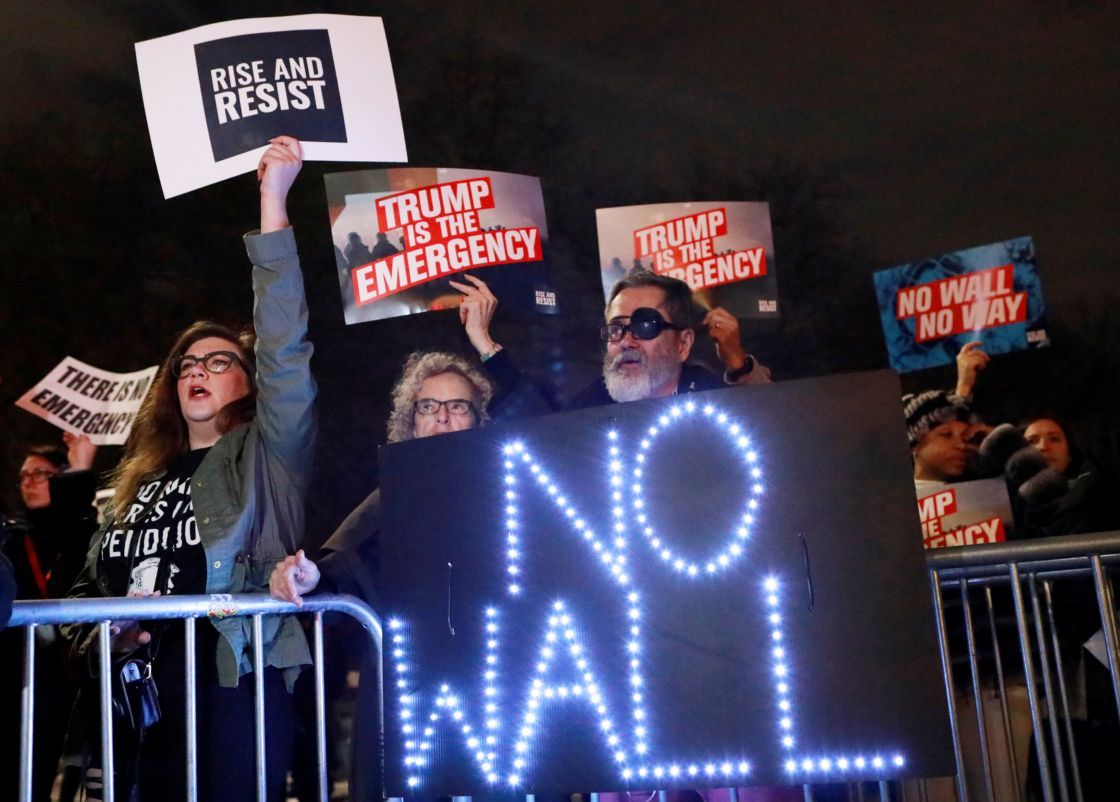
(215, 95)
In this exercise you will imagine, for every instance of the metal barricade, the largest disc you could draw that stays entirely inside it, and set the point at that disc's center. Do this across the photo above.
(1029, 570)
(32, 614)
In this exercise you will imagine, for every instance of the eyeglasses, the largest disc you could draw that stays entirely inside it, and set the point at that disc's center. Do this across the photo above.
(36, 475)
(213, 362)
(456, 406)
(645, 324)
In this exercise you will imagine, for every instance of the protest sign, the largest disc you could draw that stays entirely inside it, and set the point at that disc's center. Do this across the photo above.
(401, 235)
(82, 399)
(686, 592)
(966, 514)
(992, 293)
(724, 250)
(215, 95)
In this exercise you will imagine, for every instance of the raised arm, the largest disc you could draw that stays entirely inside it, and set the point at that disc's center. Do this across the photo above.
(285, 387)
(739, 366)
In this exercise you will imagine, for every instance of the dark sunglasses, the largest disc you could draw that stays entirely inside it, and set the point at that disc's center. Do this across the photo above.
(645, 324)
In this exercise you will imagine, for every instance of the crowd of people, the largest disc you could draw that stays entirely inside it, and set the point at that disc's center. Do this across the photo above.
(1054, 489)
(208, 497)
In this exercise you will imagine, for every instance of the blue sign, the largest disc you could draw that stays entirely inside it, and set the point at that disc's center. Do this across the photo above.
(929, 309)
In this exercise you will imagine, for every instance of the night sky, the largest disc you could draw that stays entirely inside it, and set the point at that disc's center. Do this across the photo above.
(879, 133)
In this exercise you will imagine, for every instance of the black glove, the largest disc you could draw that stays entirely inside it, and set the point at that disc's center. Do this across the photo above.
(996, 449)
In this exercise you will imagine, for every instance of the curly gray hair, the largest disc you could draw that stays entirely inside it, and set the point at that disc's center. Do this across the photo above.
(421, 366)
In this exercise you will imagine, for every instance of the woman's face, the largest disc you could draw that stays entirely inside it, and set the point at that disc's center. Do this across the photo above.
(202, 394)
(443, 387)
(1047, 436)
(34, 484)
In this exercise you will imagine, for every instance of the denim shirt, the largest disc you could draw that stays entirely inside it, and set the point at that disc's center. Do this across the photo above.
(249, 491)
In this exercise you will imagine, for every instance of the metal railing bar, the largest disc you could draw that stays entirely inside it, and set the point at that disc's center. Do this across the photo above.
(1005, 712)
(27, 718)
(1048, 687)
(258, 707)
(320, 708)
(1062, 691)
(954, 723)
(1024, 551)
(1032, 689)
(192, 709)
(978, 696)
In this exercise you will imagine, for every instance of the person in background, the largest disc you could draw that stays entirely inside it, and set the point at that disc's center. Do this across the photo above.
(1084, 506)
(7, 589)
(437, 393)
(217, 466)
(46, 543)
(938, 425)
(649, 334)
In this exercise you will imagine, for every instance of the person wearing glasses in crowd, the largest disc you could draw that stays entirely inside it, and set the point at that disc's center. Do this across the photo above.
(209, 496)
(437, 393)
(46, 542)
(649, 335)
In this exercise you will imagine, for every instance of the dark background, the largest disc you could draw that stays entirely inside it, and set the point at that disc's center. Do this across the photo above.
(879, 135)
(860, 650)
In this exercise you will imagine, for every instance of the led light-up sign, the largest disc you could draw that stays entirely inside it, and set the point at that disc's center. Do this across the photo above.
(648, 627)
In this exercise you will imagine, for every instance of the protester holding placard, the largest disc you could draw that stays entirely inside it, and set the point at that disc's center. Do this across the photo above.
(649, 336)
(209, 497)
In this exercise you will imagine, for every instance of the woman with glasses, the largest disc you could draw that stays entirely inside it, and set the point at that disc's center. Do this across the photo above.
(437, 393)
(208, 498)
(46, 542)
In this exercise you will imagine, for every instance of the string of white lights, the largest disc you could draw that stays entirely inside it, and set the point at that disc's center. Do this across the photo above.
(629, 746)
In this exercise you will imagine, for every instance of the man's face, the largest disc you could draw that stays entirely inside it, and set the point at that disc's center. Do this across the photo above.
(636, 369)
(443, 387)
(942, 453)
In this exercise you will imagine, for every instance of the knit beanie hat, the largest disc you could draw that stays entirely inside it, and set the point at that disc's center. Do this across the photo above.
(924, 411)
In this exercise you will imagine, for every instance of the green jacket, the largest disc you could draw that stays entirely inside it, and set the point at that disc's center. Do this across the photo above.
(249, 491)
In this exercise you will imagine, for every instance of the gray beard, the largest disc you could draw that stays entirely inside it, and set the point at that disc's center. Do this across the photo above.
(622, 387)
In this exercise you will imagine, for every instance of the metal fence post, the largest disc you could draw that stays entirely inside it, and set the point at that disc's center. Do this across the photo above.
(1032, 690)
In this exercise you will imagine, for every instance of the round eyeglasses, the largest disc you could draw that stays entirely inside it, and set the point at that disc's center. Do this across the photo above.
(213, 362)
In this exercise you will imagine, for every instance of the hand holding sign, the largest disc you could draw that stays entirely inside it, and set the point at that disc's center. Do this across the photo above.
(80, 451)
(89, 401)
(276, 172)
(215, 95)
(476, 310)
(723, 328)
(970, 361)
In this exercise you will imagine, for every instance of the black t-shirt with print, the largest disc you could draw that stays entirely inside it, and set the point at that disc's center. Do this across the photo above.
(163, 550)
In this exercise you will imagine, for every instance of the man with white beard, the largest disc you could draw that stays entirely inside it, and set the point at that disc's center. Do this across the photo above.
(649, 336)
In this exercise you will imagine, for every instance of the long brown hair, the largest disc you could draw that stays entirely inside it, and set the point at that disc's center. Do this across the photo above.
(159, 433)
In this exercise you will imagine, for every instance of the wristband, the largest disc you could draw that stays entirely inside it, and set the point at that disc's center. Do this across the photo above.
(491, 352)
(742, 370)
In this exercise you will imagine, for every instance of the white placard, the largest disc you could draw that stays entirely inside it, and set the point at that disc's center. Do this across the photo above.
(82, 399)
(215, 95)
